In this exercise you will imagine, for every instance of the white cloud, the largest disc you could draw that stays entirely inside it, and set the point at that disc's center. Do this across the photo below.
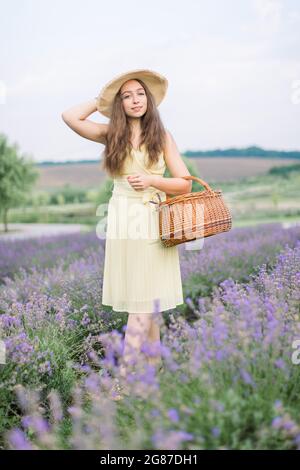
(268, 18)
(294, 17)
(269, 15)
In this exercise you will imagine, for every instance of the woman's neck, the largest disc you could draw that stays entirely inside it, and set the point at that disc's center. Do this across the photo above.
(135, 126)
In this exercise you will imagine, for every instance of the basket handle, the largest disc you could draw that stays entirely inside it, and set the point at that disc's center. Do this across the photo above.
(195, 178)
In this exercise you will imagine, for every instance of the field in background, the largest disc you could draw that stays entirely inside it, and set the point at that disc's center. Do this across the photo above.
(258, 196)
(89, 175)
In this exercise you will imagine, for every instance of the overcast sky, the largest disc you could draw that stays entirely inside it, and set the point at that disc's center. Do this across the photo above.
(233, 69)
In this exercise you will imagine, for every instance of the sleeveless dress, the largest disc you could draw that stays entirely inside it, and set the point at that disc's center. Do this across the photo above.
(140, 275)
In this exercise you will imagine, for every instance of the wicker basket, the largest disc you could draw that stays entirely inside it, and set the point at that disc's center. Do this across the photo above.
(189, 216)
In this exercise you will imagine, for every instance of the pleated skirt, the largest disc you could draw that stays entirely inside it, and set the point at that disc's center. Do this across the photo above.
(140, 275)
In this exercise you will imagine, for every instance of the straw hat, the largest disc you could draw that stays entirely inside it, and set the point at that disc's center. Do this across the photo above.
(156, 83)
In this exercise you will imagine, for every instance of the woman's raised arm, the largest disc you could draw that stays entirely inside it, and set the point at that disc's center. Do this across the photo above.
(76, 119)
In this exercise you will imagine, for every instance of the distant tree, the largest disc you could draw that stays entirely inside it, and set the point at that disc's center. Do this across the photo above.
(17, 175)
(253, 151)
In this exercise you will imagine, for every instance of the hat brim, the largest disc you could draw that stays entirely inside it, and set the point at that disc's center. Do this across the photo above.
(157, 84)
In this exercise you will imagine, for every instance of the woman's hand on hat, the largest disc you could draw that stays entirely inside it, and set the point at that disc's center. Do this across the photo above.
(139, 181)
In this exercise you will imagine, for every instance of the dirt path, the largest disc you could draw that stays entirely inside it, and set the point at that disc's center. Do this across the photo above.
(21, 231)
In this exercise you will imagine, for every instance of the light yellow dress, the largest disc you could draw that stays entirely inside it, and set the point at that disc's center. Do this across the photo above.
(140, 275)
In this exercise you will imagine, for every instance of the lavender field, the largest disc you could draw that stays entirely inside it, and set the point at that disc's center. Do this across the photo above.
(231, 374)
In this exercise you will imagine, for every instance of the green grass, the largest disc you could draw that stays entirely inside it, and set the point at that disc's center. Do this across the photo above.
(265, 220)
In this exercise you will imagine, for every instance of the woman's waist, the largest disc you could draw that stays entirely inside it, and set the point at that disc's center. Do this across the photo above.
(123, 188)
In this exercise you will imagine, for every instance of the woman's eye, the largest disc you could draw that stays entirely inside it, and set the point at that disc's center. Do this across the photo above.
(128, 95)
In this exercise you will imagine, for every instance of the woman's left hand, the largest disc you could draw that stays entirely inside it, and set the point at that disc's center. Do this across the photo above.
(139, 182)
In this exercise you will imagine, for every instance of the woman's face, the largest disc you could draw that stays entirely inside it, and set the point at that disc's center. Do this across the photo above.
(133, 96)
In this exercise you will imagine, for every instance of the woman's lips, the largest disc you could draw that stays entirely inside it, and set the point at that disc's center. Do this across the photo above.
(137, 109)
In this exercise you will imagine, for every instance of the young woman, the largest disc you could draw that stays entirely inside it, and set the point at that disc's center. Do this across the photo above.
(140, 274)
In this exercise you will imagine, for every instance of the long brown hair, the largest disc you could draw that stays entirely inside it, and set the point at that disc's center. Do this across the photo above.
(119, 133)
